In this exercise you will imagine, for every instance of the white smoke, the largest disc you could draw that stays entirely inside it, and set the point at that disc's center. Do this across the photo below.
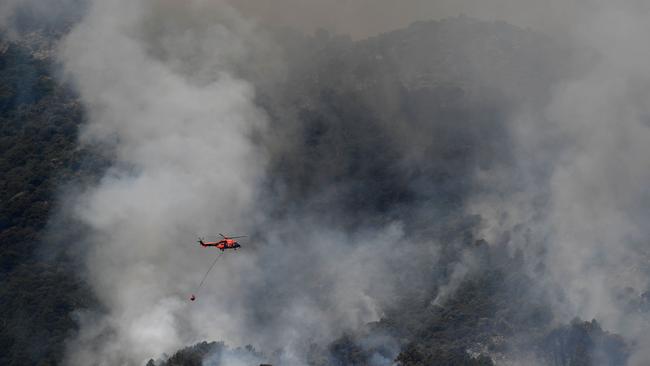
(580, 184)
(599, 187)
(157, 80)
(184, 164)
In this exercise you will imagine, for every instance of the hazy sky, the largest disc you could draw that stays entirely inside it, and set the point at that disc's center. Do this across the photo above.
(362, 18)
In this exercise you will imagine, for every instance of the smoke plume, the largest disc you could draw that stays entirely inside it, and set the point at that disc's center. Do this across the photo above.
(157, 79)
(558, 146)
(154, 78)
(579, 186)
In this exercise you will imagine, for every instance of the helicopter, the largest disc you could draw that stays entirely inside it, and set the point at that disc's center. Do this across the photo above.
(223, 244)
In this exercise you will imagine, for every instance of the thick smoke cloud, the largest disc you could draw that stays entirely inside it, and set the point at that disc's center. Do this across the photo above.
(363, 18)
(598, 189)
(161, 83)
(582, 174)
(157, 80)
(183, 164)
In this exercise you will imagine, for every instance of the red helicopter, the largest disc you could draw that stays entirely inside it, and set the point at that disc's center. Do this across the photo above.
(223, 244)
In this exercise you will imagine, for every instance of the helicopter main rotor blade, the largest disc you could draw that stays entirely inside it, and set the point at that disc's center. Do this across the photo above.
(232, 237)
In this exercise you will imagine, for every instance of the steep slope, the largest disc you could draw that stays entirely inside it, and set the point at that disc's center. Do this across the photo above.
(39, 290)
(398, 128)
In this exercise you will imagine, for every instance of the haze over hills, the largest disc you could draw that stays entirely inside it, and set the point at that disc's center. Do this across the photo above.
(451, 193)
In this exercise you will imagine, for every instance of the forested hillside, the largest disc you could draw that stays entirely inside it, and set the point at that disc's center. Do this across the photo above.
(362, 134)
(400, 124)
(39, 289)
